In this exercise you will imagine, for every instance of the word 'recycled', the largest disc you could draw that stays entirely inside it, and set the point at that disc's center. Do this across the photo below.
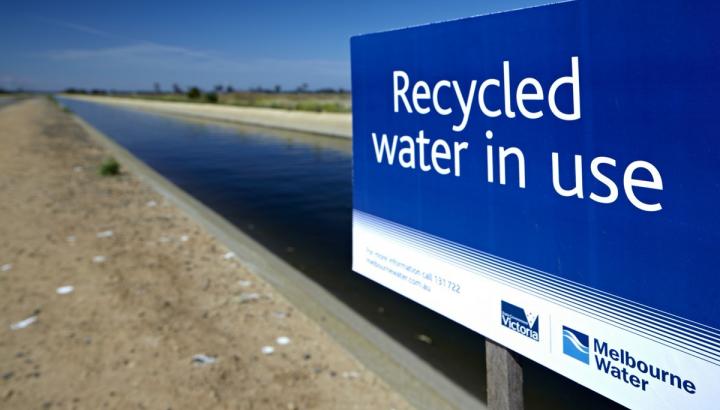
(424, 98)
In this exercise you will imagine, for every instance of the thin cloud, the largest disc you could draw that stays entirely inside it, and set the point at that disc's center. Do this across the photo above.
(140, 52)
(141, 56)
(162, 56)
(83, 29)
(134, 43)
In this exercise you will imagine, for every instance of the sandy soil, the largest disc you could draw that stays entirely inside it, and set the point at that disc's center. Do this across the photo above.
(332, 124)
(126, 335)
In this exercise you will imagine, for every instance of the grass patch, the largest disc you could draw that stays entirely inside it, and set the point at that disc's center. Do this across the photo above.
(109, 167)
(53, 100)
(56, 103)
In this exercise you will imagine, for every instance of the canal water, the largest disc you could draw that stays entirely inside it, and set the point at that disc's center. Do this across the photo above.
(292, 192)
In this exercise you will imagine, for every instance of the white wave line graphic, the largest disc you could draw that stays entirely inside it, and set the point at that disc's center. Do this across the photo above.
(574, 340)
(687, 332)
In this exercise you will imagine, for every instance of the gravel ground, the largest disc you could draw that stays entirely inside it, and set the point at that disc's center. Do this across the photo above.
(112, 298)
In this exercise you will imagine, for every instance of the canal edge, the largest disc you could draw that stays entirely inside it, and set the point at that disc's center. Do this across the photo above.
(419, 383)
(172, 109)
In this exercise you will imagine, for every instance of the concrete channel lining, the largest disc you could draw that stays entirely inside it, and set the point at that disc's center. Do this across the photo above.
(324, 123)
(420, 384)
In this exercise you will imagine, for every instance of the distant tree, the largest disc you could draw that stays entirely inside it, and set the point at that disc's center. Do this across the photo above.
(302, 88)
(73, 90)
(211, 97)
(158, 90)
(218, 88)
(177, 89)
(194, 93)
(277, 89)
(229, 89)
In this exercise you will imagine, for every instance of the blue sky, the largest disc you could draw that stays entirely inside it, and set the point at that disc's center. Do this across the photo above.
(129, 45)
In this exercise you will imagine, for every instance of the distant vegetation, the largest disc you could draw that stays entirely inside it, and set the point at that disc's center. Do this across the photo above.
(109, 167)
(94, 91)
(194, 93)
(302, 98)
(18, 92)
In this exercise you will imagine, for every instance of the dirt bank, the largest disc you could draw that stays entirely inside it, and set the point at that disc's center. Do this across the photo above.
(150, 291)
(331, 124)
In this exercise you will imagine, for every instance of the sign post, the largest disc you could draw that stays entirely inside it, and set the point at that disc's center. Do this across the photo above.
(548, 177)
(504, 378)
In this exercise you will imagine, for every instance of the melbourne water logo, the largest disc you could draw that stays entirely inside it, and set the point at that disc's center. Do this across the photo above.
(518, 320)
(576, 345)
(620, 363)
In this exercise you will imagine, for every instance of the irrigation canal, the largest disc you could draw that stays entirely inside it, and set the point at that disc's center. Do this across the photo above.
(292, 192)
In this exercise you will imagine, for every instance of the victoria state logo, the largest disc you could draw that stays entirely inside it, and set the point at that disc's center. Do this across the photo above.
(519, 320)
(576, 345)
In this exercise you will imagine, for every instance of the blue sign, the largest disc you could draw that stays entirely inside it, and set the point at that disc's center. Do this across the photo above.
(561, 160)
